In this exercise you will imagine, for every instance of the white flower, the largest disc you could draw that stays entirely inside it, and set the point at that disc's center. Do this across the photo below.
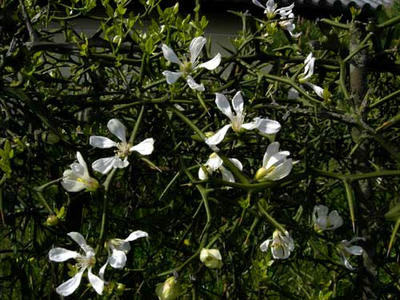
(77, 178)
(287, 23)
(120, 159)
(117, 250)
(211, 258)
(188, 66)
(308, 72)
(214, 163)
(84, 262)
(276, 165)
(271, 10)
(346, 249)
(323, 221)
(265, 126)
(281, 245)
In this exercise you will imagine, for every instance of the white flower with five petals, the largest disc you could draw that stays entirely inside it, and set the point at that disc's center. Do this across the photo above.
(77, 178)
(323, 221)
(84, 261)
(214, 163)
(117, 250)
(265, 126)
(275, 165)
(281, 245)
(346, 249)
(124, 149)
(188, 66)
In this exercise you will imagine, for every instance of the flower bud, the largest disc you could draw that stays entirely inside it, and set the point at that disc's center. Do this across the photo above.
(211, 258)
(260, 174)
(52, 220)
(168, 290)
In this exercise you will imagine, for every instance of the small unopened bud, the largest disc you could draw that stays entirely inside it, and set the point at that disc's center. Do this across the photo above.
(169, 289)
(117, 40)
(120, 288)
(211, 258)
(176, 8)
(52, 220)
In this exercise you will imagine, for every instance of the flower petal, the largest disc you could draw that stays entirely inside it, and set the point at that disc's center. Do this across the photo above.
(281, 170)
(194, 85)
(171, 77)
(136, 235)
(277, 159)
(335, 219)
(317, 89)
(119, 163)
(117, 128)
(68, 287)
(202, 175)
(196, 45)
(252, 125)
(82, 162)
(170, 55)
(101, 142)
(268, 126)
(61, 254)
(78, 169)
(346, 262)
(104, 165)
(72, 185)
(145, 148)
(102, 270)
(96, 282)
(258, 4)
(223, 105)
(212, 63)
(237, 163)
(238, 103)
(321, 210)
(354, 250)
(293, 94)
(272, 149)
(218, 136)
(214, 162)
(117, 259)
(265, 245)
(80, 240)
(226, 174)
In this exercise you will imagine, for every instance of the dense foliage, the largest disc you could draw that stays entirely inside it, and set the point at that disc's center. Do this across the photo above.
(339, 121)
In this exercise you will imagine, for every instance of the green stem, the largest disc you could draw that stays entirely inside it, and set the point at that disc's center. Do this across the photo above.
(391, 22)
(342, 79)
(188, 122)
(350, 201)
(273, 222)
(386, 98)
(137, 124)
(106, 185)
(242, 178)
(336, 24)
(295, 86)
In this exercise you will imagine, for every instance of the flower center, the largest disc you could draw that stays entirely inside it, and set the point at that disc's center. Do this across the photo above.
(123, 149)
(186, 67)
(237, 122)
(86, 261)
